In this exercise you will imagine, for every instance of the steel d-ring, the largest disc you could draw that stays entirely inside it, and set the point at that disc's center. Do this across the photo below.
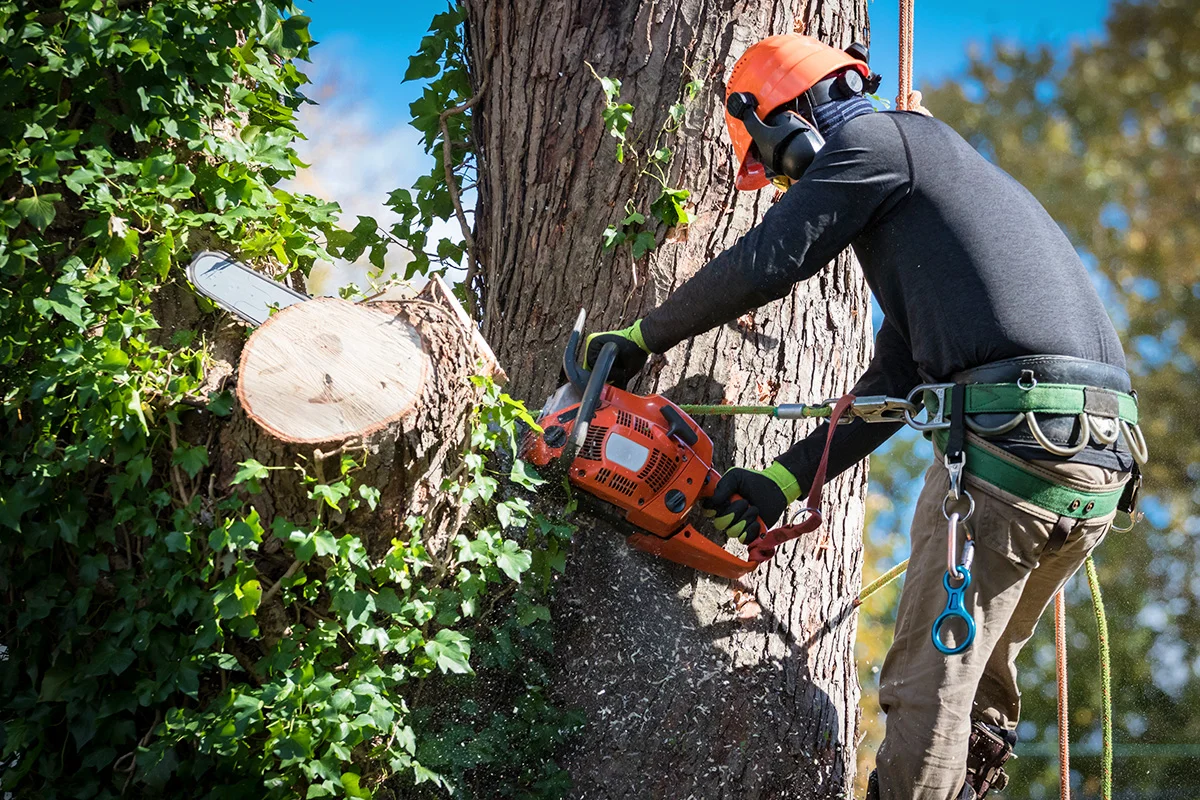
(955, 609)
(970, 507)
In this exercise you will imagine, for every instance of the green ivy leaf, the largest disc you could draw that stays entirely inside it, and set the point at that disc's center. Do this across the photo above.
(250, 470)
(370, 494)
(221, 404)
(670, 208)
(191, 459)
(512, 560)
(251, 596)
(451, 651)
(114, 359)
(612, 237)
(350, 785)
(611, 87)
(643, 243)
(525, 475)
(332, 494)
(39, 210)
(325, 543)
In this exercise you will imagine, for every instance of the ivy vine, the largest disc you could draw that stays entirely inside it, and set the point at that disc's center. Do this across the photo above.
(135, 654)
(652, 161)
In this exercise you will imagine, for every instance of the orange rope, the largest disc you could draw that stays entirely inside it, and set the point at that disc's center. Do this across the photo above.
(1060, 647)
(906, 55)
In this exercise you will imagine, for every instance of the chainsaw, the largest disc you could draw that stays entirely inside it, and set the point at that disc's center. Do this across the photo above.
(645, 459)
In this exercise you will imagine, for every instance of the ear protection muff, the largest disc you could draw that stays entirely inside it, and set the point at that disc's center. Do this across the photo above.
(787, 143)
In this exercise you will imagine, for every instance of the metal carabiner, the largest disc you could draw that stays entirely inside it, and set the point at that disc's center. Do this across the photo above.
(936, 419)
(1136, 442)
(952, 498)
(956, 570)
(881, 408)
(996, 430)
(1105, 430)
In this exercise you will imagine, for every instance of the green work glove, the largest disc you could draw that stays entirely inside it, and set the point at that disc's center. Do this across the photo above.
(631, 352)
(764, 494)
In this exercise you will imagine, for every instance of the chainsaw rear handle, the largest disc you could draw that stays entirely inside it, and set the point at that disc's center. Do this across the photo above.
(710, 488)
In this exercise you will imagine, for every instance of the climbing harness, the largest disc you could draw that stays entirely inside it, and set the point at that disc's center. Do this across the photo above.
(1102, 415)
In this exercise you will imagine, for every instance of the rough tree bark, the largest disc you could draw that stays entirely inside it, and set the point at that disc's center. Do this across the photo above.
(684, 697)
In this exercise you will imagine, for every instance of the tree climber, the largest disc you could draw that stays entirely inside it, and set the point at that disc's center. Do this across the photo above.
(981, 292)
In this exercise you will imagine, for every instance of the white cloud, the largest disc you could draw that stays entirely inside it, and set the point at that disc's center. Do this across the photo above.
(356, 160)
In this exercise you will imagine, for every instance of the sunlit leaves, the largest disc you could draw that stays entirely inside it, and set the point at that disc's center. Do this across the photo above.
(670, 205)
(157, 613)
(39, 210)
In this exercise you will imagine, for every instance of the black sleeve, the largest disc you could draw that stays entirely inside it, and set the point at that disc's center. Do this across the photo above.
(861, 173)
(893, 372)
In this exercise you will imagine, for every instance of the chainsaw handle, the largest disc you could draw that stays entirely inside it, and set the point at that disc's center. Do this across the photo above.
(591, 397)
(762, 526)
(709, 489)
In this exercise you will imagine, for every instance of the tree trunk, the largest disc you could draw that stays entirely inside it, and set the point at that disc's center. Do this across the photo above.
(687, 693)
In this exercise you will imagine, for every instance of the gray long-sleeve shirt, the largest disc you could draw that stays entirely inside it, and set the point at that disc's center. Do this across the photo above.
(965, 263)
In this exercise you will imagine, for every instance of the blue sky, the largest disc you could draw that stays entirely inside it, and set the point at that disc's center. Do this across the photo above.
(370, 39)
(361, 147)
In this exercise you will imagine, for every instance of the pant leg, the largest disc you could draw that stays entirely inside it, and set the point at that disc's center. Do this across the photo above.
(928, 696)
(998, 698)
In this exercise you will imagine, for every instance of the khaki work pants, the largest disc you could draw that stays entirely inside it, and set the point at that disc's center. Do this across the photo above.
(930, 699)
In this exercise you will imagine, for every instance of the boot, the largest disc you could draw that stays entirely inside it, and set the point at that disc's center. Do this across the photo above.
(989, 748)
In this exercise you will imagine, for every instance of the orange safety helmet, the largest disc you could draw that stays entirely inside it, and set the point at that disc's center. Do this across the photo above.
(776, 71)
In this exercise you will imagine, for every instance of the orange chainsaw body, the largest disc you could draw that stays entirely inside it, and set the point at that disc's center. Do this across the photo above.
(649, 459)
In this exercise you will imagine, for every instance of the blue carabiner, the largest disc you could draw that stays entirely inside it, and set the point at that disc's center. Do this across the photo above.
(955, 608)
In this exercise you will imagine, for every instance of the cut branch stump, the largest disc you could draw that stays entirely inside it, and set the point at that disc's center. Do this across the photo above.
(387, 383)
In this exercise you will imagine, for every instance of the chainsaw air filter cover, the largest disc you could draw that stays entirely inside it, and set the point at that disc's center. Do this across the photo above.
(641, 454)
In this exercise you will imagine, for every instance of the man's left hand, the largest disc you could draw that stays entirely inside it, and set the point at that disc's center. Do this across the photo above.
(631, 353)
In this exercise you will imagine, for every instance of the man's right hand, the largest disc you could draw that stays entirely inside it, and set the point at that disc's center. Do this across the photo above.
(762, 495)
(631, 353)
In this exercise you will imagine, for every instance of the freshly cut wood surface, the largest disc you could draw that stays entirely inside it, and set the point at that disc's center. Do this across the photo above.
(327, 369)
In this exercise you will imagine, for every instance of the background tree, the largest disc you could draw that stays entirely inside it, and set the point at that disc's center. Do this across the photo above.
(602, 183)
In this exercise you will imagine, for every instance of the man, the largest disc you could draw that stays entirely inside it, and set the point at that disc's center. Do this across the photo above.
(979, 288)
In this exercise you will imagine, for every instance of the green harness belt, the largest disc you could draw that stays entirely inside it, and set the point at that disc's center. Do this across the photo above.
(1047, 398)
(1008, 473)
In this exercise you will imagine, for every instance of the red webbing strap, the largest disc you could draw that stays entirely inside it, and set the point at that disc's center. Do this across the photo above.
(764, 546)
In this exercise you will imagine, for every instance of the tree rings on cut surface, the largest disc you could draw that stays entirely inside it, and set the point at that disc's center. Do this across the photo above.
(325, 370)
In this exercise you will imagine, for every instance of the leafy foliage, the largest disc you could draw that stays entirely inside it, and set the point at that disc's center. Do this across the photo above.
(159, 636)
(670, 205)
(442, 60)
